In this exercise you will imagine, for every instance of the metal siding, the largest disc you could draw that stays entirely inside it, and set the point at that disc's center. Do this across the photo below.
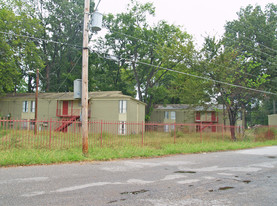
(105, 110)
(272, 120)
(131, 111)
(180, 116)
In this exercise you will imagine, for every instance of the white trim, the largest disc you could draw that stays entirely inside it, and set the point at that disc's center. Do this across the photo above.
(25, 106)
(33, 106)
(122, 106)
(122, 128)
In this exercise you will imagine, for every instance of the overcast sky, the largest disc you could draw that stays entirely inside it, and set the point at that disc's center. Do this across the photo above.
(198, 17)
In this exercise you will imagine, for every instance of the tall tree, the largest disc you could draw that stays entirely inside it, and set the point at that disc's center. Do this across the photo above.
(143, 51)
(227, 67)
(19, 53)
(253, 35)
(61, 48)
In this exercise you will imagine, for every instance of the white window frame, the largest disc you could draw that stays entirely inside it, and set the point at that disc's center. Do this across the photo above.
(166, 128)
(173, 115)
(166, 115)
(122, 106)
(33, 106)
(122, 128)
(24, 124)
(25, 106)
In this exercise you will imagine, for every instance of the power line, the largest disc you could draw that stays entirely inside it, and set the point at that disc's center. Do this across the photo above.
(147, 42)
(173, 50)
(97, 5)
(226, 37)
(69, 72)
(206, 78)
(184, 73)
(252, 40)
(252, 48)
(40, 39)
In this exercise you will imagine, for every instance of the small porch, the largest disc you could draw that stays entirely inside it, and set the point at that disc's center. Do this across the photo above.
(68, 108)
(69, 111)
(206, 120)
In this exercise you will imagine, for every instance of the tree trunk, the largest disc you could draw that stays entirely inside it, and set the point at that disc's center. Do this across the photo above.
(30, 84)
(148, 108)
(233, 133)
(232, 118)
(47, 78)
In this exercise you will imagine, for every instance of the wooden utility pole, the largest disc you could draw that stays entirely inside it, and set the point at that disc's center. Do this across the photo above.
(274, 107)
(36, 102)
(85, 79)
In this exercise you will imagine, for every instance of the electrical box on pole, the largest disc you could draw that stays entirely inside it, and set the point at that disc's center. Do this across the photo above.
(77, 88)
(96, 21)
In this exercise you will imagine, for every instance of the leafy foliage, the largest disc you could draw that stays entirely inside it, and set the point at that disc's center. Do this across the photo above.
(143, 51)
(19, 54)
(63, 28)
(253, 36)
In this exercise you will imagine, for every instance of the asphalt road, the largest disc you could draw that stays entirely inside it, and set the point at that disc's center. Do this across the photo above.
(246, 177)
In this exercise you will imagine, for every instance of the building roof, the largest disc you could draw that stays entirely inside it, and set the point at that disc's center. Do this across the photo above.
(70, 95)
(188, 106)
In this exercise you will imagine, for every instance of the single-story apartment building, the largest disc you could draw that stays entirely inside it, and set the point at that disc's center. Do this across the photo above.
(272, 120)
(209, 116)
(110, 106)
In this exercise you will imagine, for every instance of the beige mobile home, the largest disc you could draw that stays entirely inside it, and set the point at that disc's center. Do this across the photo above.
(110, 106)
(210, 116)
(272, 120)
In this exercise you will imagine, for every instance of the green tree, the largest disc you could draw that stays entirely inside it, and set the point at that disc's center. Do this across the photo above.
(19, 53)
(62, 46)
(253, 35)
(143, 51)
(108, 74)
(227, 67)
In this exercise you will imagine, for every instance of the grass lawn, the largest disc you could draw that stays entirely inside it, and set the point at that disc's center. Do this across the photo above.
(16, 151)
(18, 157)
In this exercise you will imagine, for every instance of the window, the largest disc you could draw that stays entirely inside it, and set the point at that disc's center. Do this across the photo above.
(166, 115)
(24, 124)
(173, 115)
(32, 123)
(33, 106)
(122, 106)
(166, 128)
(122, 128)
(25, 106)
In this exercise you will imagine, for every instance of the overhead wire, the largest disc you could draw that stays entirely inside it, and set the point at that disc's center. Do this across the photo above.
(147, 42)
(97, 5)
(184, 73)
(269, 55)
(192, 75)
(70, 72)
(40, 39)
(51, 41)
(245, 37)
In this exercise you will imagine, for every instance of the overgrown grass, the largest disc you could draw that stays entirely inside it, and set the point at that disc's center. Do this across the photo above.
(23, 148)
(18, 157)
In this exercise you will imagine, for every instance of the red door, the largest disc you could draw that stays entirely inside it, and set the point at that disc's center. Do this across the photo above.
(213, 117)
(213, 128)
(65, 107)
(198, 116)
(214, 120)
